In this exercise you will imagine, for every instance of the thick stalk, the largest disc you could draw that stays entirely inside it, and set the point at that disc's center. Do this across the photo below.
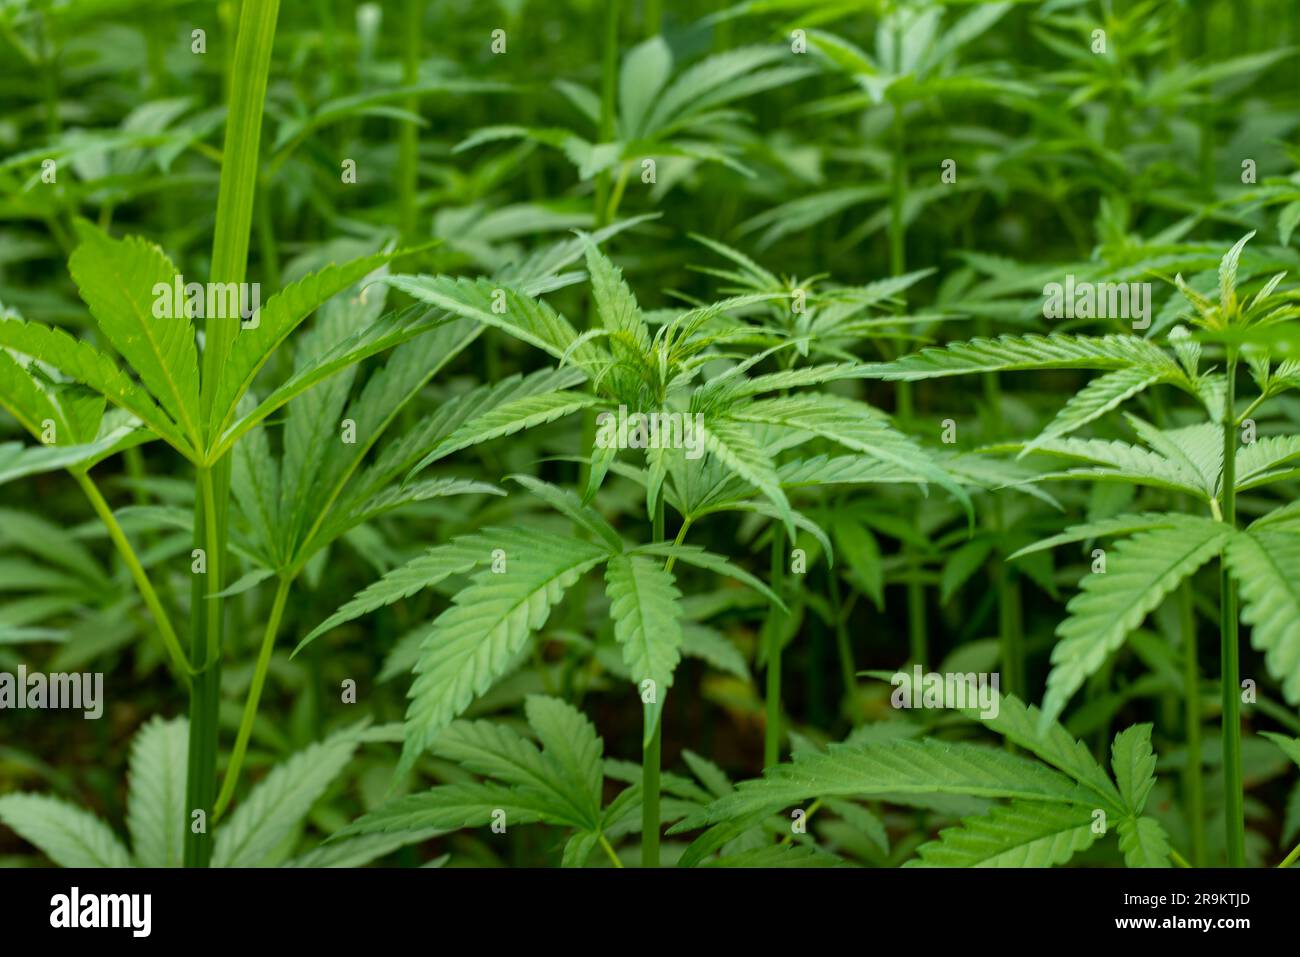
(205, 689)
(254, 696)
(651, 752)
(1233, 797)
(1194, 781)
(249, 69)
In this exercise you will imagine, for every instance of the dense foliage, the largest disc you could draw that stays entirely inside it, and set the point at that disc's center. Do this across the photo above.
(640, 403)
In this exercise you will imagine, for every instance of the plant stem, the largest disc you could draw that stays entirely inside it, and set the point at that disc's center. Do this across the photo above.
(654, 16)
(250, 65)
(609, 850)
(138, 575)
(652, 747)
(608, 107)
(1233, 798)
(205, 689)
(1194, 776)
(650, 758)
(408, 133)
(848, 670)
(775, 626)
(254, 696)
(1291, 858)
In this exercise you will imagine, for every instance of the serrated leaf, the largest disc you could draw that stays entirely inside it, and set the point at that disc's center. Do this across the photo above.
(647, 622)
(475, 641)
(896, 767)
(1006, 353)
(278, 803)
(155, 803)
(117, 278)
(1143, 842)
(1140, 572)
(1266, 565)
(64, 833)
(1020, 834)
(1135, 765)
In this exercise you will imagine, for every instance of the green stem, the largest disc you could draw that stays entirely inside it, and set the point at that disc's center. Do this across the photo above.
(408, 133)
(270, 255)
(848, 670)
(652, 748)
(138, 575)
(205, 690)
(1229, 651)
(608, 105)
(254, 696)
(917, 629)
(1291, 858)
(609, 850)
(1194, 781)
(775, 625)
(654, 15)
(897, 196)
(650, 758)
(250, 65)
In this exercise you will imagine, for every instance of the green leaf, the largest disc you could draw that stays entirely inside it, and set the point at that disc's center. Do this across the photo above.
(82, 362)
(1125, 524)
(647, 623)
(117, 279)
(1290, 746)
(1020, 834)
(1094, 400)
(457, 557)
(1143, 842)
(155, 805)
(738, 450)
(1006, 353)
(66, 834)
(1228, 272)
(573, 753)
(498, 304)
(1024, 725)
(390, 330)
(1135, 765)
(1140, 572)
(360, 851)
(279, 803)
(897, 767)
(281, 314)
(478, 639)
(572, 507)
(645, 70)
(450, 806)
(503, 414)
(1266, 565)
(854, 425)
